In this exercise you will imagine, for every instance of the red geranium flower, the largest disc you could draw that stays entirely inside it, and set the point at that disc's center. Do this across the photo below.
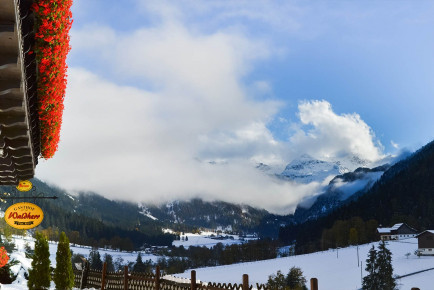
(4, 258)
(53, 22)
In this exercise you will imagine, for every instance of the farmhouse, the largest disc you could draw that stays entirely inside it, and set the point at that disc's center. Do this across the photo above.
(397, 232)
(425, 242)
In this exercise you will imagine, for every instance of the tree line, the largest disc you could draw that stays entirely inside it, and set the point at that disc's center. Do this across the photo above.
(181, 258)
(92, 232)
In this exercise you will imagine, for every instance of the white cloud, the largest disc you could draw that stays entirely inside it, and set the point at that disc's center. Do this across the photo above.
(152, 144)
(394, 145)
(324, 134)
(119, 141)
(188, 105)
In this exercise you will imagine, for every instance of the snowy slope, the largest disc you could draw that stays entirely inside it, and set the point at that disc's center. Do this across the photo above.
(307, 169)
(334, 270)
(21, 283)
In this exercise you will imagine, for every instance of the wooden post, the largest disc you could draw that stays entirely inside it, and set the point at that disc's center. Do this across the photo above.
(193, 280)
(104, 269)
(314, 284)
(125, 277)
(84, 274)
(415, 288)
(157, 278)
(245, 282)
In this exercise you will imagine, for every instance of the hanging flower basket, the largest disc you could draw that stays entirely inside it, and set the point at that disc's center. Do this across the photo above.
(53, 20)
(4, 258)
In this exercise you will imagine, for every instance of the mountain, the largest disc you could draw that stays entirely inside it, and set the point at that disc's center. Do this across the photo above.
(93, 216)
(341, 190)
(307, 169)
(96, 219)
(211, 215)
(404, 193)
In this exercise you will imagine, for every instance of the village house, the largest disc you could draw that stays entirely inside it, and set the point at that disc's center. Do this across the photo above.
(425, 243)
(397, 232)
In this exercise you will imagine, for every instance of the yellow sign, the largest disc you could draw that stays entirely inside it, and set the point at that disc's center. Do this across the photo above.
(24, 215)
(24, 185)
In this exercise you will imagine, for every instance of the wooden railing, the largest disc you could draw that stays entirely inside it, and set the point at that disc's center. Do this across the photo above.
(88, 278)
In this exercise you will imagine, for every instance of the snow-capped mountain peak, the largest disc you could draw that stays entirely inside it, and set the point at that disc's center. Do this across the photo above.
(306, 169)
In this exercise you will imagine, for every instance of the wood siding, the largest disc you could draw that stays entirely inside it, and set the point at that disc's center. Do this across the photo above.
(426, 241)
(19, 120)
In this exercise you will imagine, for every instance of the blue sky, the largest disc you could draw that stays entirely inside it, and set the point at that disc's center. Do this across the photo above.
(161, 88)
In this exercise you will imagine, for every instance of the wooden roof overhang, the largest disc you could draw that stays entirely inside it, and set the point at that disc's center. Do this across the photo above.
(19, 121)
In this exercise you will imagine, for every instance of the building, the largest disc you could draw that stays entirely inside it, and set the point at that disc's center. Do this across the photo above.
(19, 120)
(425, 243)
(397, 232)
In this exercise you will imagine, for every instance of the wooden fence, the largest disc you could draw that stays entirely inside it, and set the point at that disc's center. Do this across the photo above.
(88, 278)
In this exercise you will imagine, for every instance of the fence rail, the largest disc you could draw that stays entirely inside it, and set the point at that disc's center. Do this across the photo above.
(88, 278)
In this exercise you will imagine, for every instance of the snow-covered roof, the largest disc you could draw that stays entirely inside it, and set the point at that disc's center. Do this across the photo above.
(429, 231)
(396, 226)
(384, 230)
(389, 230)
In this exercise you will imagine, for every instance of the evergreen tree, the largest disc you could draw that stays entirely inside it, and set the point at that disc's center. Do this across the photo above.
(8, 244)
(95, 260)
(385, 269)
(295, 279)
(370, 281)
(109, 260)
(277, 281)
(119, 264)
(28, 250)
(139, 266)
(63, 274)
(39, 275)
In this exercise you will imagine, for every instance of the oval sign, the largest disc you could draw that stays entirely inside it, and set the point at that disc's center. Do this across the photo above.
(24, 185)
(24, 215)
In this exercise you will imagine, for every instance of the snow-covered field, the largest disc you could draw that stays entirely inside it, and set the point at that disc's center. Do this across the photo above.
(334, 269)
(21, 283)
(84, 250)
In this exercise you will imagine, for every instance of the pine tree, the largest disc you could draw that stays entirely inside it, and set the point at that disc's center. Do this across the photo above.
(39, 275)
(370, 281)
(295, 279)
(139, 266)
(95, 260)
(119, 264)
(385, 269)
(63, 274)
(109, 260)
(277, 281)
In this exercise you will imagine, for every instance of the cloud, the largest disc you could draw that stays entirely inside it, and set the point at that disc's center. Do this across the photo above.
(152, 141)
(324, 134)
(118, 141)
(394, 145)
(167, 101)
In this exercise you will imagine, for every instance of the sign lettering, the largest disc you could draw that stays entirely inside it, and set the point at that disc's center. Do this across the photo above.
(24, 215)
(24, 185)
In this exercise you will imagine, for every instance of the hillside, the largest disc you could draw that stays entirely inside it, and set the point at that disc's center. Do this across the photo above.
(341, 190)
(334, 270)
(404, 193)
(92, 219)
